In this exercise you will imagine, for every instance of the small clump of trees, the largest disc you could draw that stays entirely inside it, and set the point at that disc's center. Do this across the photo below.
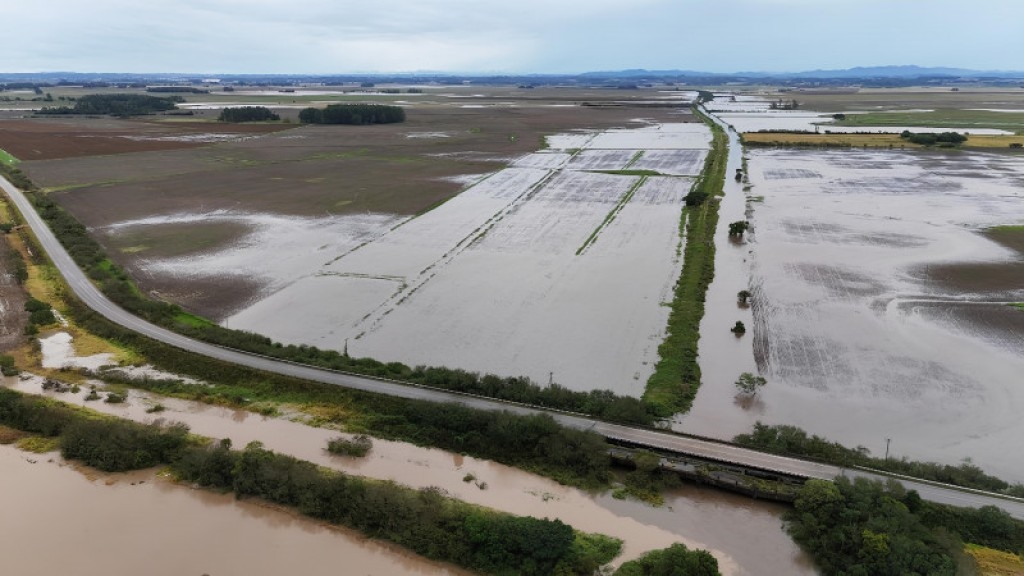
(736, 229)
(675, 560)
(357, 114)
(749, 383)
(738, 328)
(944, 139)
(247, 114)
(358, 446)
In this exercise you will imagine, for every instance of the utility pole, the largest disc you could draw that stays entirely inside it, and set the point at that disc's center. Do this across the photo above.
(887, 449)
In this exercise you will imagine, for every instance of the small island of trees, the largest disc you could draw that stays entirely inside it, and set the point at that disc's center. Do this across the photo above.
(247, 114)
(358, 114)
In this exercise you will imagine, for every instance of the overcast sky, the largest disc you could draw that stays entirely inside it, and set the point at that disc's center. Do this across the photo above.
(505, 36)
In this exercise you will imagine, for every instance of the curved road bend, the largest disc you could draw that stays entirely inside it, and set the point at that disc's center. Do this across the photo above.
(716, 451)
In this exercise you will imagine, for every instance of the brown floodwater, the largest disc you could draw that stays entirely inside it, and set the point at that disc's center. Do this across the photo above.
(746, 536)
(878, 309)
(58, 519)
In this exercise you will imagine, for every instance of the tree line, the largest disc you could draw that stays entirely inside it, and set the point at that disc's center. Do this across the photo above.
(864, 527)
(116, 105)
(944, 139)
(358, 114)
(247, 114)
(425, 521)
(792, 441)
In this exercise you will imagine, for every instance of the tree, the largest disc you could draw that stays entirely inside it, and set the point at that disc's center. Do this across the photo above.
(738, 228)
(738, 329)
(743, 296)
(749, 384)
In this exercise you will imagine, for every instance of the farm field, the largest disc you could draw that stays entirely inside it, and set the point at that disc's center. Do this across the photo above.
(989, 112)
(159, 201)
(880, 303)
(553, 274)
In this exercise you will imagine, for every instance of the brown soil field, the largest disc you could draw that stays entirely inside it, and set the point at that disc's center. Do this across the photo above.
(305, 171)
(43, 139)
(992, 281)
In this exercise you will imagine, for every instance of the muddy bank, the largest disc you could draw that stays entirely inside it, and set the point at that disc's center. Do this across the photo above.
(81, 522)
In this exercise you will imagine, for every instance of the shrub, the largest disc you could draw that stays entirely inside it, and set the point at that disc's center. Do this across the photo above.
(357, 446)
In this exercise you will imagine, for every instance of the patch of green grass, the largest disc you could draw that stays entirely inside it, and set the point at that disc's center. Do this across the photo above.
(7, 159)
(612, 214)
(191, 320)
(39, 444)
(676, 378)
(1018, 305)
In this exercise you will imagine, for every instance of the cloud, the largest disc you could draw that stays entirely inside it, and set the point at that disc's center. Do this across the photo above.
(330, 36)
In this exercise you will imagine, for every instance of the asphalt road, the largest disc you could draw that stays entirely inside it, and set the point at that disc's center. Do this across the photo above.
(710, 450)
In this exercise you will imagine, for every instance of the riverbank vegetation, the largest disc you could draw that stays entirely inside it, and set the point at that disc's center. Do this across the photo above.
(675, 560)
(866, 527)
(425, 521)
(676, 378)
(792, 441)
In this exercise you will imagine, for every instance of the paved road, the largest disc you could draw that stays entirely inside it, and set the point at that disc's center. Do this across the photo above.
(716, 451)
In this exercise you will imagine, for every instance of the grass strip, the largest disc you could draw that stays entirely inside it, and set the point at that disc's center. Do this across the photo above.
(7, 159)
(611, 214)
(676, 378)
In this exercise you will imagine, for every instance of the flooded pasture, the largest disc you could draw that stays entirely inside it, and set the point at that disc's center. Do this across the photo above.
(526, 272)
(78, 521)
(879, 305)
(745, 535)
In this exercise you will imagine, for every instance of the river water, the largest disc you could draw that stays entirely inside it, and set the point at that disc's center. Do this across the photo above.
(58, 519)
(745, 535)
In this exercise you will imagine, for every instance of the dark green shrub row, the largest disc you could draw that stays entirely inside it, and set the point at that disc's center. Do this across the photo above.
(425, 521)
(792, 441)
(247, 114)
(358, 114)
(116, 105)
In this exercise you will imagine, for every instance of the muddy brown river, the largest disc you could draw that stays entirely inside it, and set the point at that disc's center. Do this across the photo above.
(745, 535)
(60, 520)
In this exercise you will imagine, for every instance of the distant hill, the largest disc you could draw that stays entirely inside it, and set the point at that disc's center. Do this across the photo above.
(908, 72)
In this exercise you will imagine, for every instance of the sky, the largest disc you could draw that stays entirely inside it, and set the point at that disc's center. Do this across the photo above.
(506, 36)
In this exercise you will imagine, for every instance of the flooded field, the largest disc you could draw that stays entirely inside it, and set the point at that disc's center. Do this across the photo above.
(61, 520)
(525, 273)
(745, 535)
(879, 305)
